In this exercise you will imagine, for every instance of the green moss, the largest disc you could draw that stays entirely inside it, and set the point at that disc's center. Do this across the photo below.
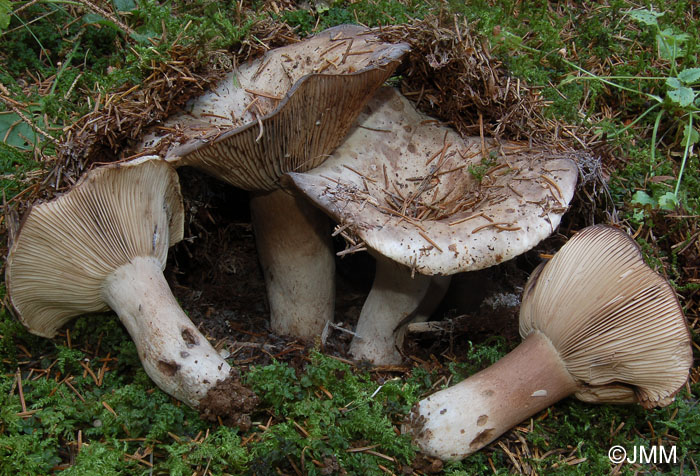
(221, 452)
(479, 357)
(359, 410)
(103, 458)
(367, 12)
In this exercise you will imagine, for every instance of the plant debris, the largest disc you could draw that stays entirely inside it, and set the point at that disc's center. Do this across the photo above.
(452, 75)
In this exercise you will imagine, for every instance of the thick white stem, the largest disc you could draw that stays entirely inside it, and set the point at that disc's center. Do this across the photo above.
(177, 357)
(296, 252)
(433, 297)
(391, 304)
(462, 419)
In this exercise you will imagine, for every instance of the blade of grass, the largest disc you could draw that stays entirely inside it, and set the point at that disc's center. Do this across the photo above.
(654, 133)
(43, 50)
(65, 65)
(639, 118)
(685, 156)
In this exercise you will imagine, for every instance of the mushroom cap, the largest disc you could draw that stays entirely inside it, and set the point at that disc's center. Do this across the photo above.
(616, 323)
(285, 111)
(67, 247)
(409, 188)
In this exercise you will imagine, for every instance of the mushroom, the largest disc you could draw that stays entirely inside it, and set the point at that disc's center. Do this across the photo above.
(285, 112)
(596, 321)
(104, 245)
(429, 203)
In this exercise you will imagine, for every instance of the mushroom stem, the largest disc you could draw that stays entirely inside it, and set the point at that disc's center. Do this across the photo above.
(433, 297)
(392, 303)
(296, 253)
(177, 357)
(462, 419)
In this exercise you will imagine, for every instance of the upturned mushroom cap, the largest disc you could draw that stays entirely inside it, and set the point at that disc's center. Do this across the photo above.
(616, 323)
(420, 194)
(285, 111)
(104, 245)
(596, 321)
(66, 248)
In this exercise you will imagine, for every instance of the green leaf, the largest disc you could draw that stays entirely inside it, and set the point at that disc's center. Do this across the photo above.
(570, 78)
(642, 198)
(638, 216)
(668, 201)
(143, 37)
(124, 5)
(690, 75)
(94, 18)
(670, 44)
(5, 13)
(673, 83)
(15, 132)
(321, 6)
(682, 96)
(690, 134)
(648, 17)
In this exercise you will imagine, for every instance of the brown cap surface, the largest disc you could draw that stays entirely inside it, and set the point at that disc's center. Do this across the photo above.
(67, 247)
(285, 111)
(616, 323)
(420, 194)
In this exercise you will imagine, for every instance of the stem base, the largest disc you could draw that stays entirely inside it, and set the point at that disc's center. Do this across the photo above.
(462, 419)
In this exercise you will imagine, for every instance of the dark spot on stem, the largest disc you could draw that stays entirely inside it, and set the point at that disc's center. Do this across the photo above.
(168, 368)
(482, 438)
(189, 337)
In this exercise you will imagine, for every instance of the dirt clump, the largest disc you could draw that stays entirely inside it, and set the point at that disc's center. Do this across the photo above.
(229, 401)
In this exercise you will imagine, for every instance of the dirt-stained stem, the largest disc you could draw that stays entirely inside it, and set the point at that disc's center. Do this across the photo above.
(462, 419)
(295, 249)
(392, 302)
(177, 357)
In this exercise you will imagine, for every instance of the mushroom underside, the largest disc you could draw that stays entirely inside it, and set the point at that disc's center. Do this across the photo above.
(104, 245)
(596, 321)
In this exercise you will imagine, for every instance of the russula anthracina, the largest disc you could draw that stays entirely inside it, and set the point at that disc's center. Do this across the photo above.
(104, 245)
(285, 112)
(429, 203)
(597, 322)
